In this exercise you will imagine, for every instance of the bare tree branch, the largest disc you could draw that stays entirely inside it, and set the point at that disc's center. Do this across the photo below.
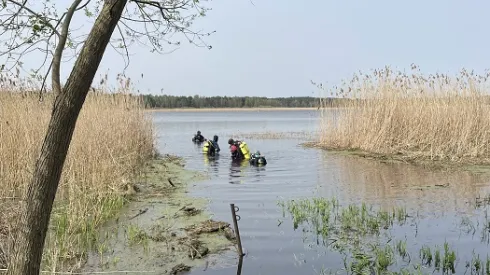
(44, 81)
(23, 6)
(27, 27)
(125, 46)
(83, 6)
(58, 53)
(166, 19)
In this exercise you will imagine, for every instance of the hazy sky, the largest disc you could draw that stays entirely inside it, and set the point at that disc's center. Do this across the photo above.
(274, 48)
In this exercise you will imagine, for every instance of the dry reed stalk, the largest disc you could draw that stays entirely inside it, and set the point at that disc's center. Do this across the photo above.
(112, 141)
(435, 117)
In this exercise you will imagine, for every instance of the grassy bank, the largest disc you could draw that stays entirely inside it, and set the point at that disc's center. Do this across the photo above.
(112, 141)
(412, 116)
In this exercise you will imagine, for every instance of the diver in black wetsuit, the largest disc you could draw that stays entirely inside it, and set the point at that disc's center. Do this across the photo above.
(198, 137)
(211, 147)
(257, 160)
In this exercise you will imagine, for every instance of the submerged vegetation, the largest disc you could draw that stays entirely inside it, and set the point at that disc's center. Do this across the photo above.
(366, 239)
(112, 142)
(412, 116)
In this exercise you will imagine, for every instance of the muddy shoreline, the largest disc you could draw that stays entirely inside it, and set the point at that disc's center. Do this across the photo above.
(162, 230)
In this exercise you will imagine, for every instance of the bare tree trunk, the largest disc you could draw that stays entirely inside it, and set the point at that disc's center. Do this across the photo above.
(32, 227)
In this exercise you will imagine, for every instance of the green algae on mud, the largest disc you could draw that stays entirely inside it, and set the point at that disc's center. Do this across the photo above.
(162, 229)
(469, 165)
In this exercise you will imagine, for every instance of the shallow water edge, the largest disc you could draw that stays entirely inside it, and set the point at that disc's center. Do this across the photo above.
(476, 166)
(162, 230)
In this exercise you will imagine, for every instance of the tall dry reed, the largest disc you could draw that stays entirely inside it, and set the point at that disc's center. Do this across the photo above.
(435, 117)
(112, 140)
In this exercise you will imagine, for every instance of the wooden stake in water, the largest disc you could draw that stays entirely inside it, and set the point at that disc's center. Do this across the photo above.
(239, 268)
(235, 209)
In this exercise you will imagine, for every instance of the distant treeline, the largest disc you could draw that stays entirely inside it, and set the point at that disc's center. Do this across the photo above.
(169, 101)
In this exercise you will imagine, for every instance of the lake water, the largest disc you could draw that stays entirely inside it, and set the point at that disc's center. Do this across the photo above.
(272, 246)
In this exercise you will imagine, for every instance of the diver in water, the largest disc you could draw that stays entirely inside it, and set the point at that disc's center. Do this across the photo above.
(239, 149)
(257, 159)
(215, 143)
(211, 147)
(235, 154)
(198, 137)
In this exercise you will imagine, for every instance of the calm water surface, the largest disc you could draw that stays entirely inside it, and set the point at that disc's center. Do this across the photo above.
(292, 172)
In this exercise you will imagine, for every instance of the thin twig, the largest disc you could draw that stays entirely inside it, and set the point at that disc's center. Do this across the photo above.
(141, 212)
(171, 183)
(23, 6)
(125, 45)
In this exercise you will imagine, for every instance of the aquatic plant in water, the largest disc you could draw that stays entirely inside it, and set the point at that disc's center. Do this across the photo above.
(361, 234)
(331, 222)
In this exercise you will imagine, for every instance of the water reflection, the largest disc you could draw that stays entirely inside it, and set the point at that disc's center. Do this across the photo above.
(239, 267)
(198, 144)
(237, 172)
(258, 173)
(212, 162)
(241, 170)
(388, 184)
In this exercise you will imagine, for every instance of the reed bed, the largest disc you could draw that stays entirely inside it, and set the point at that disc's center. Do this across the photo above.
(113, 139)
(436, 117)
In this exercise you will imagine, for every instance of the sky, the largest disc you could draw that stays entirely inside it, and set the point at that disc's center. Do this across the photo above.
(276, 48)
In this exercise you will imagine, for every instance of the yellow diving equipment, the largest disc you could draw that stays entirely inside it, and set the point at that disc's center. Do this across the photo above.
(245, 150)
(205, 147)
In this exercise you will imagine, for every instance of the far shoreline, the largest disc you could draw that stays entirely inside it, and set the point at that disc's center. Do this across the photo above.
(232, 109)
